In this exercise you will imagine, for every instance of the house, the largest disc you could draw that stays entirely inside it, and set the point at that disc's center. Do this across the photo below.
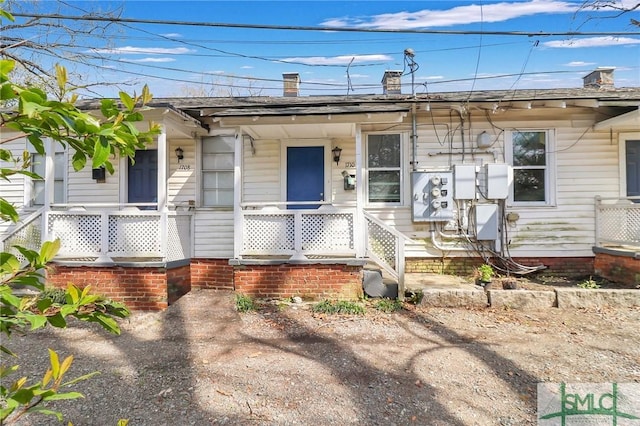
(294, 195)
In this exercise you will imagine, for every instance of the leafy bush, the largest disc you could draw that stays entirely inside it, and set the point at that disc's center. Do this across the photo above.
(338, 307)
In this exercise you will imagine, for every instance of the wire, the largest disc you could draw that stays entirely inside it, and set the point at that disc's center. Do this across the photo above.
(322, 28)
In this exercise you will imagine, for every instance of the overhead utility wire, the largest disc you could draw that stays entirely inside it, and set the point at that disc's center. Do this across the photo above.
(334, 29)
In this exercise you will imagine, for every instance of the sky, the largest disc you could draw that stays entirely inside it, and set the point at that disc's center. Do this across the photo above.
(454, 43)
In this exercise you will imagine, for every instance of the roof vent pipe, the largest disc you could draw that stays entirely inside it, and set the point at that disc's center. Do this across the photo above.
(291, 82)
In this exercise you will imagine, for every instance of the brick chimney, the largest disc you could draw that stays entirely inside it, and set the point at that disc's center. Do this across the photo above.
(392, 83)
(600, 78)
(291, 82)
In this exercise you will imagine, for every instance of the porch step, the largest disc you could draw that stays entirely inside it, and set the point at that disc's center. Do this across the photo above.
(374, 285)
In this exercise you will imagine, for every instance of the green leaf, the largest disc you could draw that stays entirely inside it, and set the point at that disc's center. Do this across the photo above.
(47, 412)
(23, 396)
(6, 66)
(49, 250)
(127, 101)
(57, 321)
(79, 160)
(7, 211)
(61, 77)
(8, 263)
(37, 321)
(80, 379)
(55, 363)
(66, 395)
(7, 92)
(101, 152)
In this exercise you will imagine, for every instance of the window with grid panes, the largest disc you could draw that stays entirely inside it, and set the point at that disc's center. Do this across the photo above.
(217, 171)
(384, 160)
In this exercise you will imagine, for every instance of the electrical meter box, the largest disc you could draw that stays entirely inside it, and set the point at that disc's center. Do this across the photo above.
(464, 181)
(498, 181)
(432, 196)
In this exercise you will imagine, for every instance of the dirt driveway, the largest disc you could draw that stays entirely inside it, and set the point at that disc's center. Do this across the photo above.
(201, 363)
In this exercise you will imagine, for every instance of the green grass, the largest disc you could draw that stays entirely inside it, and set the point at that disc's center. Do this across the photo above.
(338, 307)
(388, 305)
(245, 303)
(589, 284)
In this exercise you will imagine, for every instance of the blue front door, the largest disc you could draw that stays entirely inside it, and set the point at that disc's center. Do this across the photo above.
(633, 168)
(143, 177)
(305, 175)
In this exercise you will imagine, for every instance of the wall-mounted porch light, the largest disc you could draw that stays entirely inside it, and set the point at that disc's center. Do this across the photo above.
(179, 153)
(336, 154)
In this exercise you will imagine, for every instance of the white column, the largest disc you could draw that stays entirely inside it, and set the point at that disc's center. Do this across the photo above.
(162, 169)
(359, 222)
(49, 173)
(237, 195)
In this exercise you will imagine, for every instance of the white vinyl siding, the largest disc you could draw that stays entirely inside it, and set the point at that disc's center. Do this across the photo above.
(217, 171)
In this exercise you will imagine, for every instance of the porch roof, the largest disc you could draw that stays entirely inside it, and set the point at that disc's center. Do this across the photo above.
(629, 120)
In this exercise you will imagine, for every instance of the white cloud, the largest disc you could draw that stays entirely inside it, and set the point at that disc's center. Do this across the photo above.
(497, 12)
(131, 50)
(172, 35)
(338, 60)
(156, 60)
(591, 42)
(246, 67)
(578, 64)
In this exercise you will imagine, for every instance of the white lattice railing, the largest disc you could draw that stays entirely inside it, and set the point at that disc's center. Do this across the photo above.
(385, 246)
(617, 222)
(298, 233)
(132, 235)
(28, 234)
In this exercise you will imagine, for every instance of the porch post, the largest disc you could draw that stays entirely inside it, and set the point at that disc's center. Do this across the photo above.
(162, 169)
(49, 173)
(237, 195)
(49, 186)
(359, 223)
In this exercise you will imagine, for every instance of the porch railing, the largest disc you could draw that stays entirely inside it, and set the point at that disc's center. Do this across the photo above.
(27, 233)
(617, 223)
(298, 233)
(385, 246)
(127, 235)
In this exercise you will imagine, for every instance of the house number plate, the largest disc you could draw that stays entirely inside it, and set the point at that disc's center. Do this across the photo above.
(349, 164)
(184, 167)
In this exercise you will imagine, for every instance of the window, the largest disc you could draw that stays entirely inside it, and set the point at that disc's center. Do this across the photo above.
(217, 171)
(531, 155)
(37, 185)
(384, 153)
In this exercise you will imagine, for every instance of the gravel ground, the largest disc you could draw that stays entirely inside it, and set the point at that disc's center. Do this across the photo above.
(201, 363)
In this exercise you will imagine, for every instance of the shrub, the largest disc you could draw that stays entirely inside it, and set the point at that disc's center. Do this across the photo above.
(388, 305)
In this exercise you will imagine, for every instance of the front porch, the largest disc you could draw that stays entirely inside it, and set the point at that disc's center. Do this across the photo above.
(617, 248)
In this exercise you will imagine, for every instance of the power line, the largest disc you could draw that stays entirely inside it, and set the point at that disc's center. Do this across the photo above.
(321, 28)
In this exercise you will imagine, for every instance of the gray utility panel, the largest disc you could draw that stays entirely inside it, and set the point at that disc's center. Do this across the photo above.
(432, 196)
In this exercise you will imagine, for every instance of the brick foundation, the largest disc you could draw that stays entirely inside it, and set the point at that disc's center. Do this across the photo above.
(622, 268)
(178, 283)
(138, 288)
(211, 274)
(309, 281)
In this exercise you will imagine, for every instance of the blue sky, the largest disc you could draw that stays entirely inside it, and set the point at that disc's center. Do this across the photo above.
(181, 60)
